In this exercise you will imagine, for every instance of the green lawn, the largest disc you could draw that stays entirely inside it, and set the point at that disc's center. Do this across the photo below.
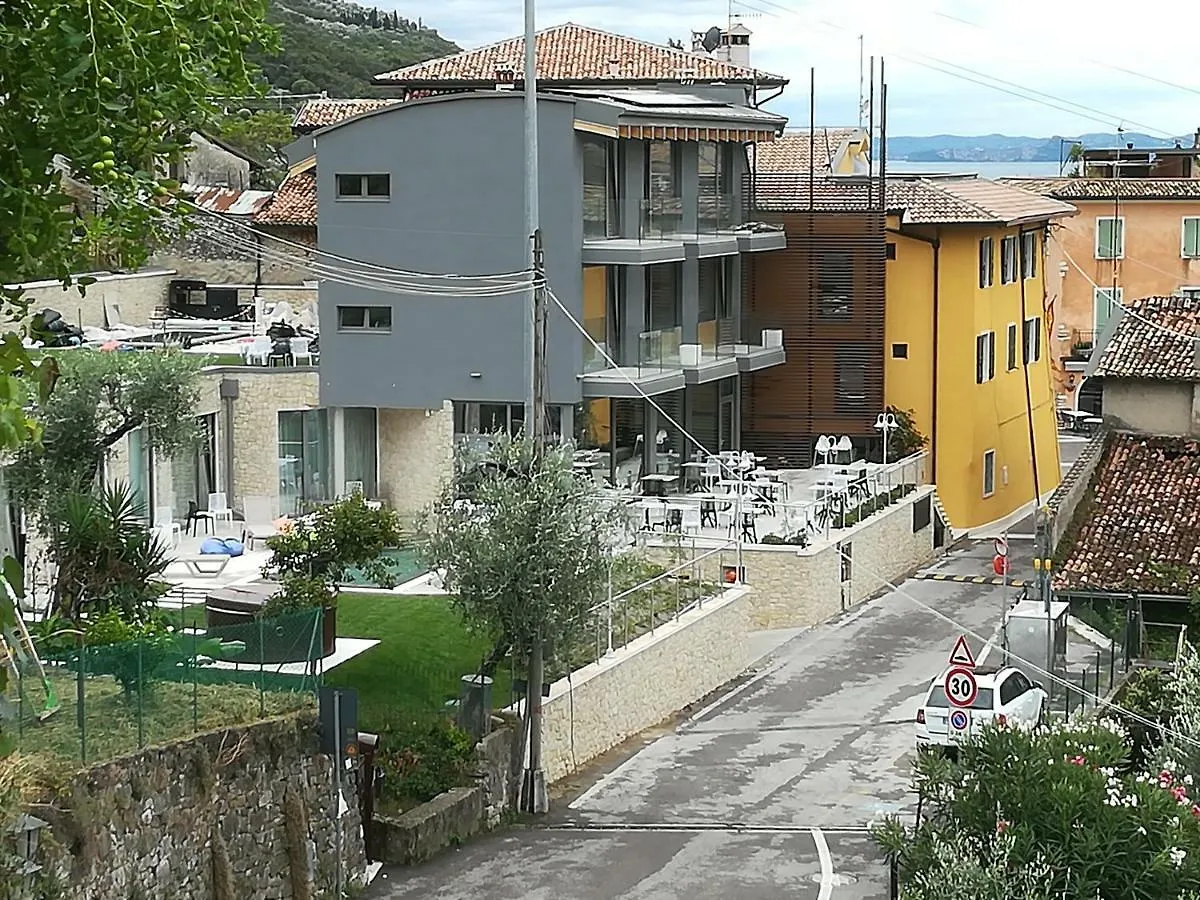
(424, 650)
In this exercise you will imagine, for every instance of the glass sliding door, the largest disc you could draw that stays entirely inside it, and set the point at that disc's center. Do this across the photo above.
(362, 448)
(599, 188)
(194, 471)
(304, 459)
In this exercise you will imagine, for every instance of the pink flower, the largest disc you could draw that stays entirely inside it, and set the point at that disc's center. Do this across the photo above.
(1164, 778)
(1179, 793)
(1077, 761)
(1196, 811)
(1003, 826)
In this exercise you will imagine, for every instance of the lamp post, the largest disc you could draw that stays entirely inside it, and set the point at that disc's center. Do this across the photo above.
(886, 422)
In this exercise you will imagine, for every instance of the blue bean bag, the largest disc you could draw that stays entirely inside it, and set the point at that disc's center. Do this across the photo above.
(225, 546)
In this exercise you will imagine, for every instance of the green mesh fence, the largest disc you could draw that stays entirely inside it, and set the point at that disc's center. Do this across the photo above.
(99, 702)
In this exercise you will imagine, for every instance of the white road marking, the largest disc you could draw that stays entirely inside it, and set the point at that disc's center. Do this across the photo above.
(826, 859)
(740, 689)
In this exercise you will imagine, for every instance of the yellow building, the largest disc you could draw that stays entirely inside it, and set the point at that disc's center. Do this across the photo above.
(966, 342)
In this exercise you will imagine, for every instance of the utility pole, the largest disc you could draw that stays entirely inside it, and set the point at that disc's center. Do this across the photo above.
(534, 798)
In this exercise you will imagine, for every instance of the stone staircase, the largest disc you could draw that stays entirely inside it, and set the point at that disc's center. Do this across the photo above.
(940, 511)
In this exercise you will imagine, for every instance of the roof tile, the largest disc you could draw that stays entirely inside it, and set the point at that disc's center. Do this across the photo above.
(318, 113)
(570, 54)
(295, 202)
(790, 153)
(1110, 188)
(1138, 529)
(1149, 341)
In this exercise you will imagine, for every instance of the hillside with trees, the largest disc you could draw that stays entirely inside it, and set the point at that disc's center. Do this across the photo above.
(337, 47)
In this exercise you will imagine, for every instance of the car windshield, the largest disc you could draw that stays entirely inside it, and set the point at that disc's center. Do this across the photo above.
(937, 697)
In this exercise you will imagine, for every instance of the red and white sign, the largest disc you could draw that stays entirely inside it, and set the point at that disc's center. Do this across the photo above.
(961, 655)
(1001, 545)
(961, 687)
(1000, 564)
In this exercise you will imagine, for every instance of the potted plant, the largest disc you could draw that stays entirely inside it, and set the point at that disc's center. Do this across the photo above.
(312, 557)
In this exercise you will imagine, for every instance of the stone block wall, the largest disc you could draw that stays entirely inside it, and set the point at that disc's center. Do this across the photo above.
(644, 683)
(137, 295)
(797, 588)
(416, 456)
(239, 813)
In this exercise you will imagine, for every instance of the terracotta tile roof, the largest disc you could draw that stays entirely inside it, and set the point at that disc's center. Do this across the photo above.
(318, 113)
(790, 153)
(957, 200)
(1137, 530)
(1148, 342)
(1109, 188)
(575, 54)
(295, 202)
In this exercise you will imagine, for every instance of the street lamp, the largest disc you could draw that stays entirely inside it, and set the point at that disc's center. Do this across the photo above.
(886, 422)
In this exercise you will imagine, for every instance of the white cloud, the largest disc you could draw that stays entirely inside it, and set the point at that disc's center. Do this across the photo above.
(1069, 56)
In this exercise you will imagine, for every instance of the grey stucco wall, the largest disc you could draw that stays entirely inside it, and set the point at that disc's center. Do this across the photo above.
(213, 166)
(1155, 407)
(456, 206)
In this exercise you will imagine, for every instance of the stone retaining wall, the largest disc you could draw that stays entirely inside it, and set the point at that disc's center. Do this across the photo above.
(644, 683)
(238, 813)
(796, 588)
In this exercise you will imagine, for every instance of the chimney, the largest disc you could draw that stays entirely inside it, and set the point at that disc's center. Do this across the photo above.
(506, 76)
(1196, 139)
(614, 67)
(736, 44)
(687, 76)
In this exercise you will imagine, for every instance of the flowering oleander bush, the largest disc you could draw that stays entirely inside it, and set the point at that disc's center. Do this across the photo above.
(1067, 806)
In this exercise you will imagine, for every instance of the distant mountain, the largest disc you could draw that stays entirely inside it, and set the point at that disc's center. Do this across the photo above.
(337, 46)
(1006, 148)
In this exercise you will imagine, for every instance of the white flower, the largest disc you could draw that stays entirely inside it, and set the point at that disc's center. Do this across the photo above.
(1187, 779)
(1141, 829)
(1177, 856)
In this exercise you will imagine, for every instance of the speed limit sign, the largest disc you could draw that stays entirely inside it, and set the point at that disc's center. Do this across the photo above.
(961, 687)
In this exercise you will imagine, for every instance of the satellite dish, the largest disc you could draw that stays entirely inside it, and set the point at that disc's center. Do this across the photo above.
(712, 39)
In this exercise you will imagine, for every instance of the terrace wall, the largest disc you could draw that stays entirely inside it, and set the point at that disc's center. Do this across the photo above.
(241, 812)
(799, 587)
(645, 682)
(136, 294)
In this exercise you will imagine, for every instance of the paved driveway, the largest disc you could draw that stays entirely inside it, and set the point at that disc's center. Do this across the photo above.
(764, 794)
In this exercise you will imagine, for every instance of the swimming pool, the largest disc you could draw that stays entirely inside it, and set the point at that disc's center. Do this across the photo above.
(404, 564)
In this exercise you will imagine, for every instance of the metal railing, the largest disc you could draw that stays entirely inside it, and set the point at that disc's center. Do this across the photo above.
(1081, 344)
(659, 349)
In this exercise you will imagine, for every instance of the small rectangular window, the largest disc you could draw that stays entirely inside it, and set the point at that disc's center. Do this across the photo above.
(835, 284)
(1012, 346)
(899, 351)
(1102, 306)
(890, 252)
(364, 318)
(1029, 254)
(1110, 237)
(356, 187)
(986, 262)
(1191, 237)
(851, 390)
(989, 473)
(1032, 344)
(985, 357)
(1008, 259)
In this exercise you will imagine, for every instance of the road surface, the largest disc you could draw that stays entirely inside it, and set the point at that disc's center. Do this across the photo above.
(766, 793)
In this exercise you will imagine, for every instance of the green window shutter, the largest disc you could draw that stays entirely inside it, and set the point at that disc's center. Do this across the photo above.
(1191, 237)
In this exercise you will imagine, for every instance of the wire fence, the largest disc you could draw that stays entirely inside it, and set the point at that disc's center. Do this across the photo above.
(90, 703)
(1087, 680)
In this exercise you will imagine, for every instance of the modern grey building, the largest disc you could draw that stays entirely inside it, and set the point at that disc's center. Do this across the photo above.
(642, 221)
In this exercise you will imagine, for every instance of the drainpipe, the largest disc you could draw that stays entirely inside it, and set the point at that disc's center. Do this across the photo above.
(935, 244)
(229, 393)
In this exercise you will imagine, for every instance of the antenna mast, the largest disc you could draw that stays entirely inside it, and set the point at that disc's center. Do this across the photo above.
(861, 99)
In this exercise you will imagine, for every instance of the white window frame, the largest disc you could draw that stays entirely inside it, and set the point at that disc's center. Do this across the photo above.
(1183, 254)
(989, 455)
(1118, 300)
(1193, 289)
(990, 370)
(1010, 267)
(1120, 220)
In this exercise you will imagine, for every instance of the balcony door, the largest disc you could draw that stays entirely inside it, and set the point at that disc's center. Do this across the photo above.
(600, 219)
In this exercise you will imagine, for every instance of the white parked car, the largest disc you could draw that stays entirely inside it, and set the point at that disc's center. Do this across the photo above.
(1005, 696)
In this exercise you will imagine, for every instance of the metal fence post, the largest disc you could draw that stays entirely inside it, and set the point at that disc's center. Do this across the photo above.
(262, 700)
(193, 671)
(141, 688)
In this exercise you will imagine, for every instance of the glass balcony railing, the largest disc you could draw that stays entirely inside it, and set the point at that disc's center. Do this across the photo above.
(661, 218)
(659, 349)
(716, 338)
(600, 220)
(597, 333)
(716, 213)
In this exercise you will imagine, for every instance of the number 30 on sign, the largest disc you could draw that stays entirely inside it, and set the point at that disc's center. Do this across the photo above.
(961, 687)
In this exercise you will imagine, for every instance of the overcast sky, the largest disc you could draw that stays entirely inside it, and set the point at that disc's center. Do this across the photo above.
(1072, 53)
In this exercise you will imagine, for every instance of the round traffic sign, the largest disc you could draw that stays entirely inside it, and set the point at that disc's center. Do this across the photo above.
(1001, 546)
(961, 687)
(959, 720)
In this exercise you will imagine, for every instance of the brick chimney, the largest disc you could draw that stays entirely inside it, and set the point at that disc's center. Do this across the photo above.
(506, 76)
(614, 67)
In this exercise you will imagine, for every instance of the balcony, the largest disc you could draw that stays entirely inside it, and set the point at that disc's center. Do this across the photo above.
(1079, 347)
(658, 369)
(760, 347)
(657, 239)
(597, 333)
(714, 355)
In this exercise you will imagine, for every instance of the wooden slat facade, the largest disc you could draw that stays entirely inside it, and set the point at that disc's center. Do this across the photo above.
(827, 292)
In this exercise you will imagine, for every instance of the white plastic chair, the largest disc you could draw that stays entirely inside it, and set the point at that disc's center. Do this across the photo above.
(845, 445)
(260, 514)
(218, 508)
(823, 448)
(258, 351)
(691, 519)
(301, 350)
(165, 525)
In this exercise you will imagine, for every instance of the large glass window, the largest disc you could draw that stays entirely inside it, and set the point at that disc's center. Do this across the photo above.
(715, 200)
(599, 188)
(304, 471)
(662, 207)
(194, 471)
(361, 448)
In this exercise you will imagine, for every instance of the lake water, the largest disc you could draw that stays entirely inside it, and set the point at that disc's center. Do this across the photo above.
(983, 169)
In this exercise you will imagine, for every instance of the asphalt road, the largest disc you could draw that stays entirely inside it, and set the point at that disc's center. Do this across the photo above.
(765, 793)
